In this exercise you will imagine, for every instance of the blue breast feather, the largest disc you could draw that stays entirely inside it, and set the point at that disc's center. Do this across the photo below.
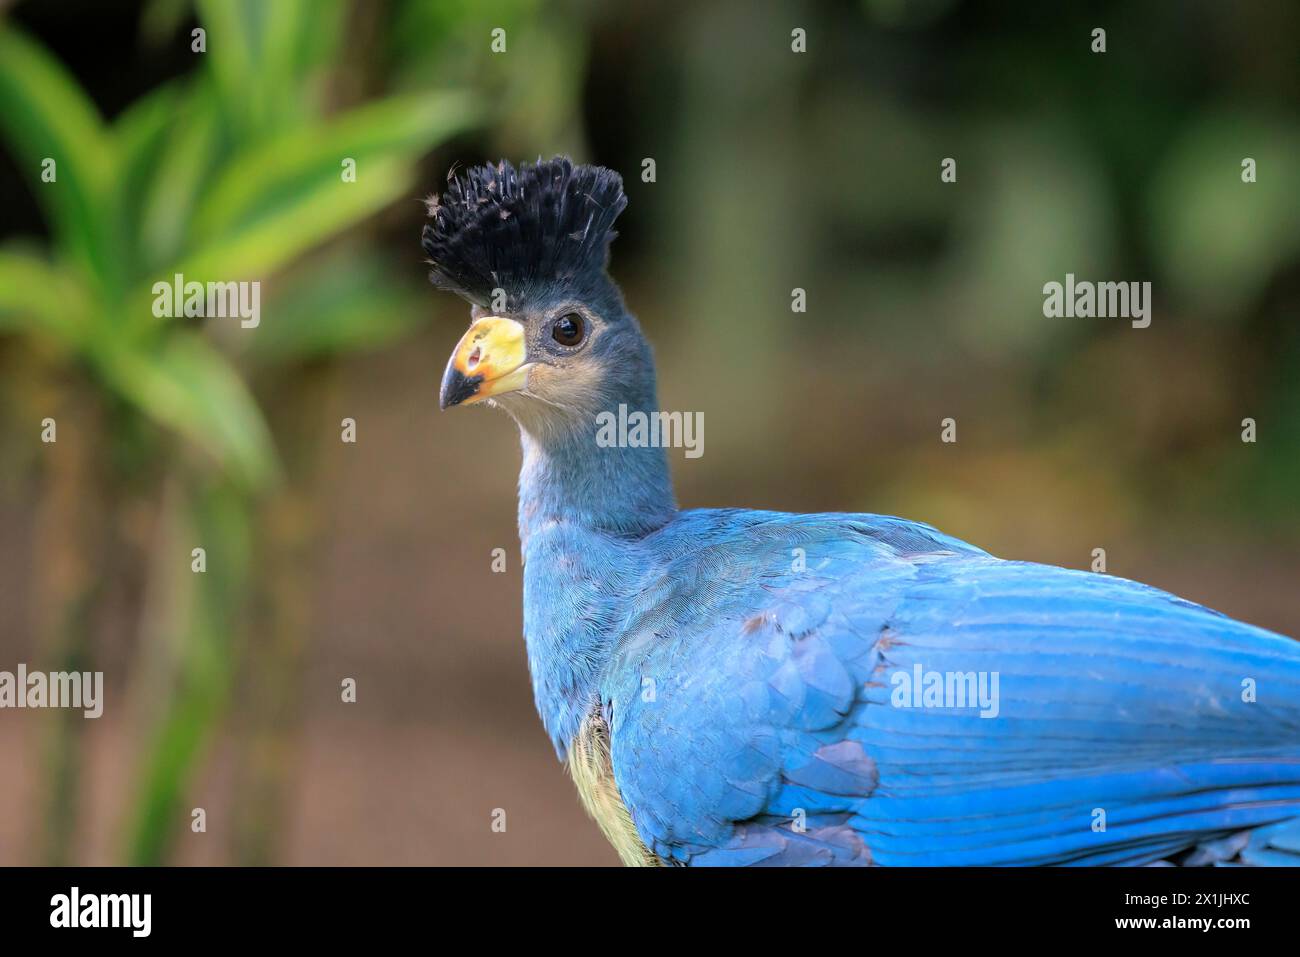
(756, 711)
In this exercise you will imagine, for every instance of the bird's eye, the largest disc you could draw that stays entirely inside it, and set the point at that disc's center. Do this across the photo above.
(569, 329)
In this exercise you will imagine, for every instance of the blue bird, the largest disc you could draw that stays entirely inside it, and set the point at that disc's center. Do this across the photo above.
(737, 687)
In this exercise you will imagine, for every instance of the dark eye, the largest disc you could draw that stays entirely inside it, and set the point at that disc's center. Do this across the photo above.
(568, 330)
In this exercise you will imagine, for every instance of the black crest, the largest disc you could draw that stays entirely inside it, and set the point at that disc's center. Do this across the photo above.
(516, 229)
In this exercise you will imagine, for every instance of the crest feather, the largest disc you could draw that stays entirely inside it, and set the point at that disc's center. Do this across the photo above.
(516, 229)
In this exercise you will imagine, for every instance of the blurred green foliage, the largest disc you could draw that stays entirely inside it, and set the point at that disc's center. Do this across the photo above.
(231, 173)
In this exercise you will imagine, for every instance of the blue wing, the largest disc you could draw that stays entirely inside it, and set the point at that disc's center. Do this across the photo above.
(758, 711)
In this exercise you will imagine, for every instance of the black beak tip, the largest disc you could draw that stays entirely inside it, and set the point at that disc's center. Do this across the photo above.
(457, 387)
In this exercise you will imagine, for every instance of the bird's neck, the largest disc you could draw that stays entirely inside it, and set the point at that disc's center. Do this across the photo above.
(620, 492)
(583, 509)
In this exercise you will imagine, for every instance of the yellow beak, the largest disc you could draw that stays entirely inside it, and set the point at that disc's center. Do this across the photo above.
(490, 360)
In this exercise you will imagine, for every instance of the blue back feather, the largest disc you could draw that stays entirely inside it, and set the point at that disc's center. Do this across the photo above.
(748, 688)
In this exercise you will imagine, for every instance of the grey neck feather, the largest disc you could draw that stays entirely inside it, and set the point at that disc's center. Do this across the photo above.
(581, 510)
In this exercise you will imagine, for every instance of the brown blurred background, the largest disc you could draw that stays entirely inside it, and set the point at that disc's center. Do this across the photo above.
(774, 170)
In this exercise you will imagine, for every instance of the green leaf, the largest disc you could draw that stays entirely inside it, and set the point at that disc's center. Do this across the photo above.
(231, 55)
(147, 140)
(256, 252)
(45, 115)
(37, 296)
(288, 197)
(202, 622)
(306, 165)
(185, 384)
(259, 54)
(170, 196)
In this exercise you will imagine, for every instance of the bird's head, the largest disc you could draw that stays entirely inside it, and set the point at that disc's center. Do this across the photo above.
(551, 340)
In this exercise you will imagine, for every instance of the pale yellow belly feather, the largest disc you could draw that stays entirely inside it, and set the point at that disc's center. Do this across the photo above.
(593, 773)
